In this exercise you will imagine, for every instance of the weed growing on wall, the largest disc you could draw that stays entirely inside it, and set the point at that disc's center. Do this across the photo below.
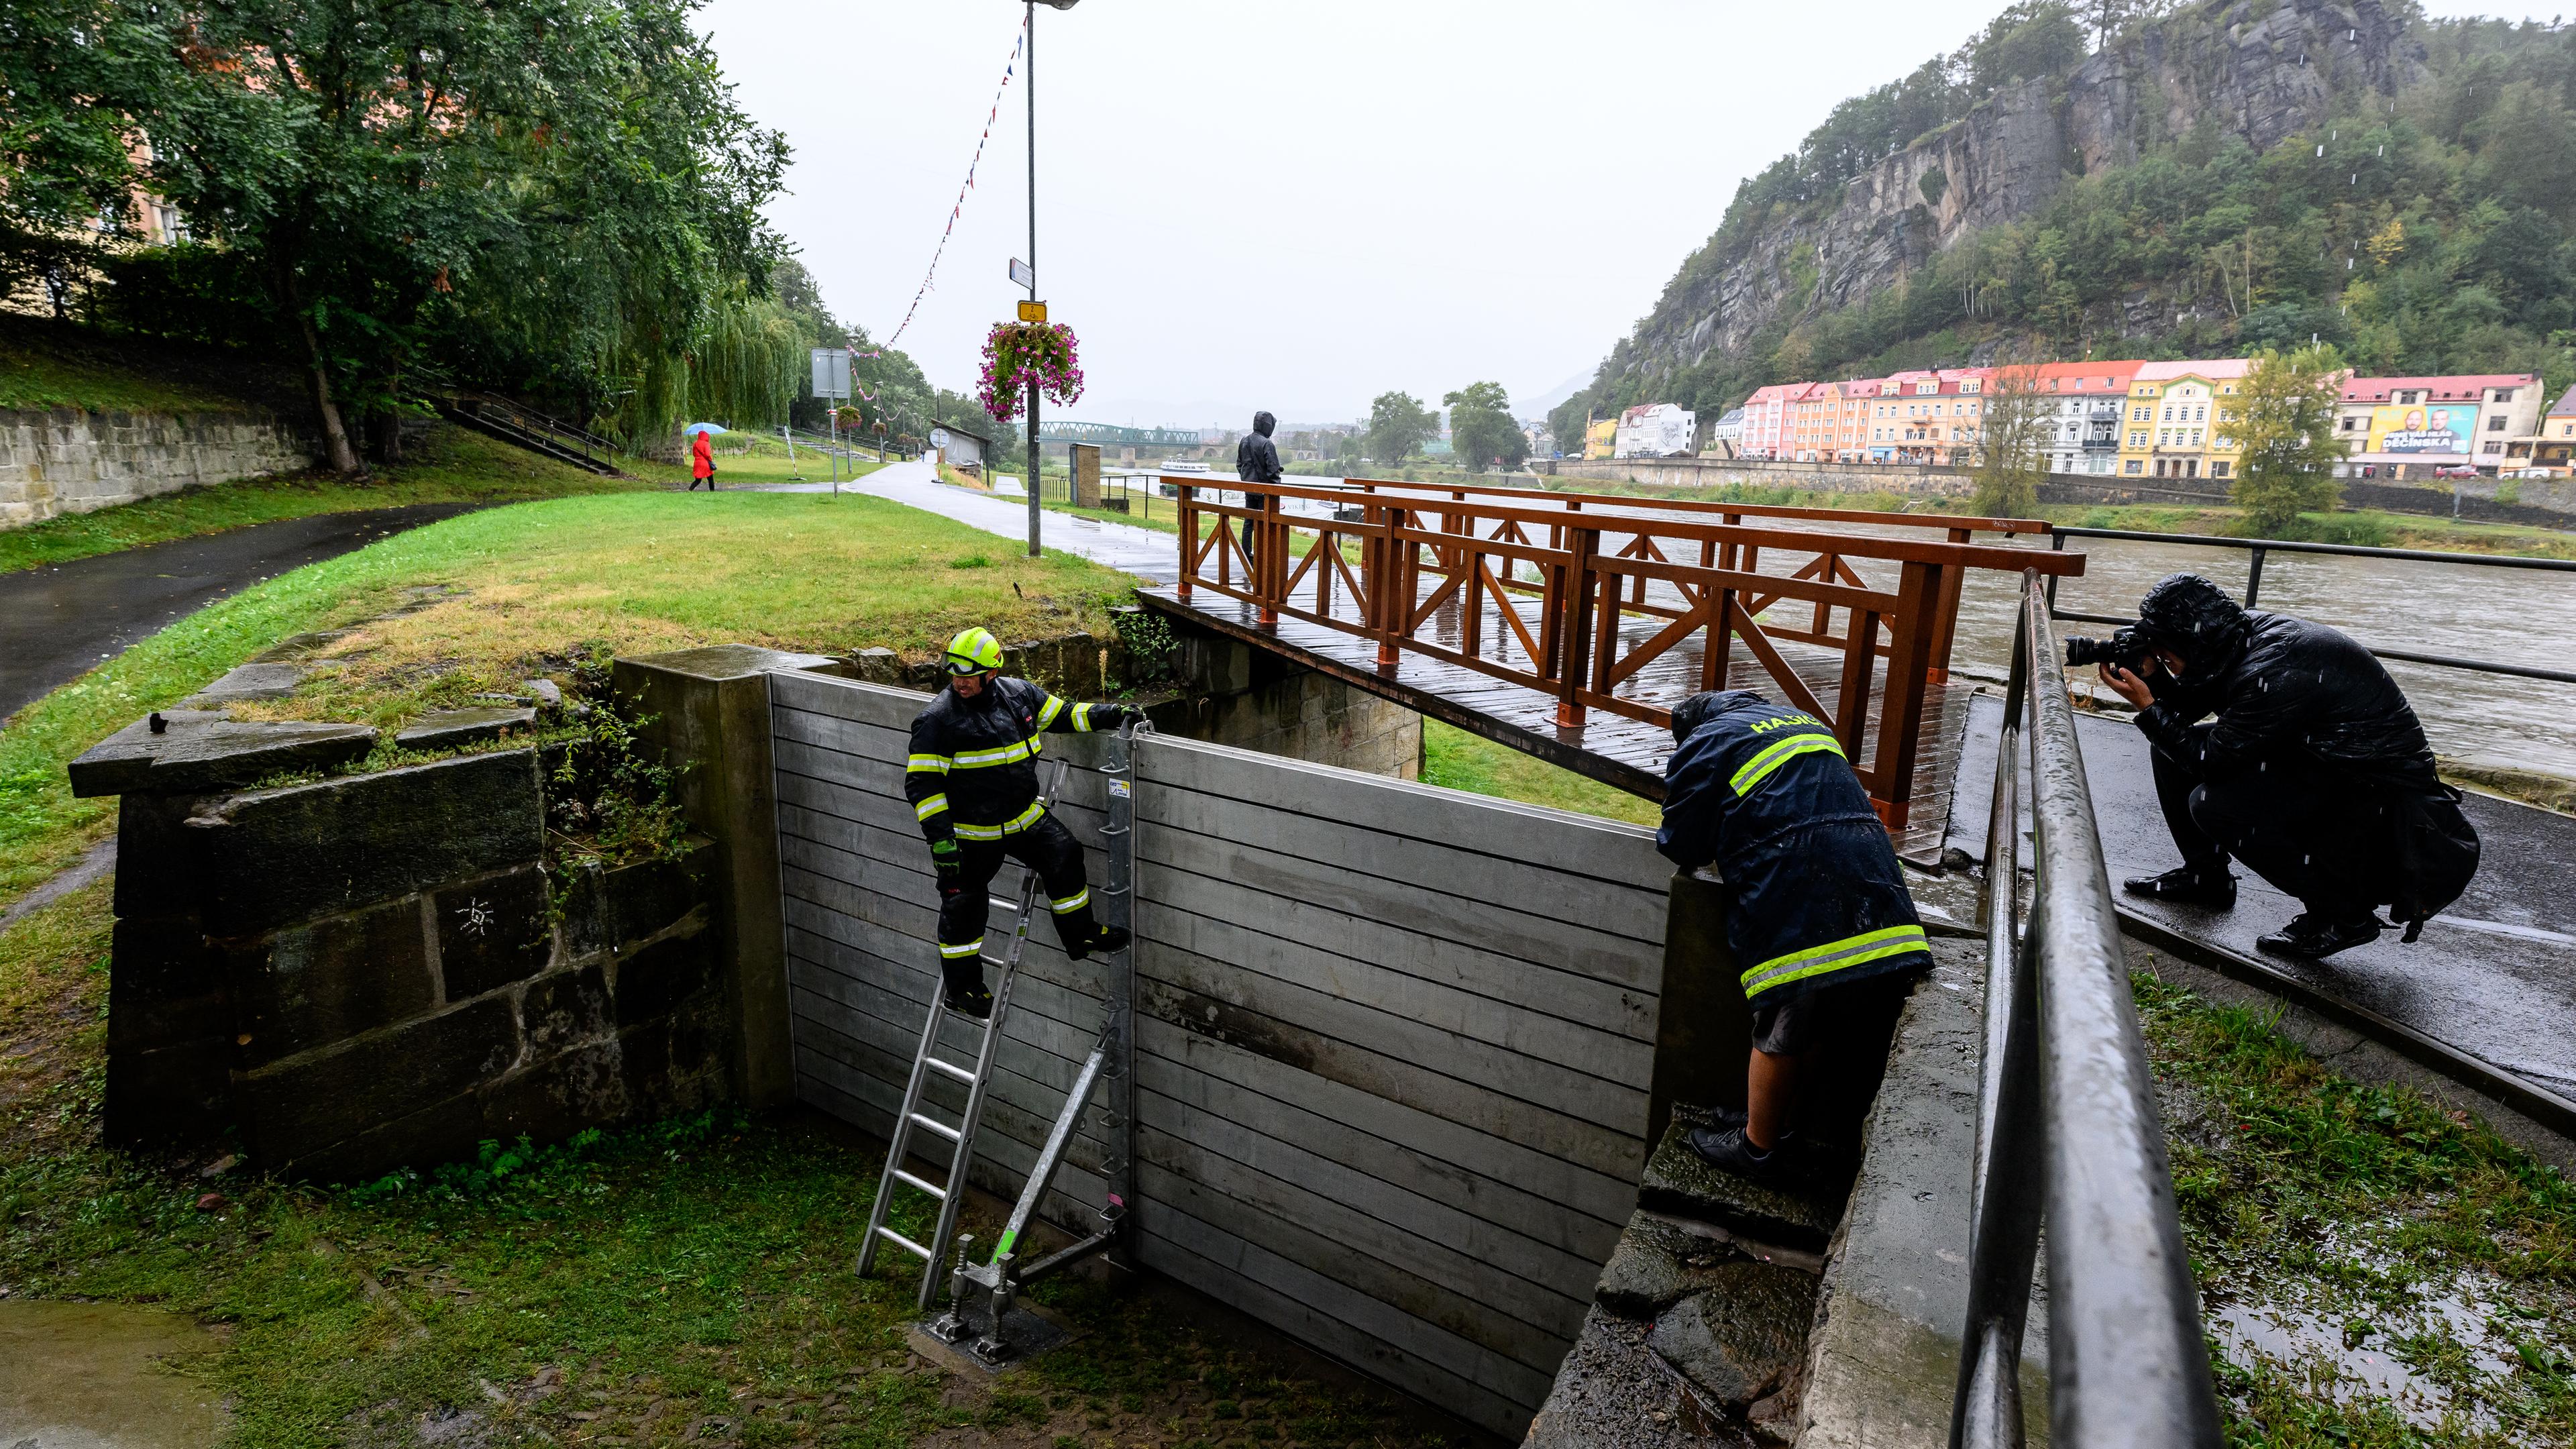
(608, 802)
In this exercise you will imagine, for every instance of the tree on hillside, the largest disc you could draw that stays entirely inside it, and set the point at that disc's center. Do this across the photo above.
(1481, 430)
(2284, 429)
(1398, 426)
(2029, 40)
(2013, 432)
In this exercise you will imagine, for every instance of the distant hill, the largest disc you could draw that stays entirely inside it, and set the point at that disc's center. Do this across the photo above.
(2159, 193)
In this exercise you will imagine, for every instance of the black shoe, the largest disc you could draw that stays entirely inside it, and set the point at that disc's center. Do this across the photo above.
(2185, 886)
(1108, 941)
(969, 1001)
(2312, 937)
(1727, 1149)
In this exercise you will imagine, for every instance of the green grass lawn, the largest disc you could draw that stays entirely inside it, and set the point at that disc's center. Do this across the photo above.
(615, 571)
(672, 1281)
(450, 465)
(2366, 1219)
(1457, 760)
(681, 1280)
(44, 364)
(760, 460)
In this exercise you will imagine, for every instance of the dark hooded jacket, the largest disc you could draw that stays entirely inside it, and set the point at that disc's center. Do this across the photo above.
(1256, 458)
(1763, 793)
(2278, 688)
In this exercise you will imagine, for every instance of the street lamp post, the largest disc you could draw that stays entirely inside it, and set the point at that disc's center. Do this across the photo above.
(1036, 454)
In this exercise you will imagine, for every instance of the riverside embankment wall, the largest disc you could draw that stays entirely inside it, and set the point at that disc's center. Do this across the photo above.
(68, 460)
(1394, 1042)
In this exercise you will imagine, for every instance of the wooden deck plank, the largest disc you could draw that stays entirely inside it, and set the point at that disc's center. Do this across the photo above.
(1625, 753)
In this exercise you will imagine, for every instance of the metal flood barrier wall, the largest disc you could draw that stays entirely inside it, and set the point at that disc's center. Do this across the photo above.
(1393, 1042)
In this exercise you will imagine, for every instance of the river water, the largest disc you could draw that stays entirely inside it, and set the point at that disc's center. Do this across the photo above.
(2501, 615)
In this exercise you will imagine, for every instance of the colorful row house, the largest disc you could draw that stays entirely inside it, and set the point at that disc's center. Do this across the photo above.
(2420, 427)
(2180, 419)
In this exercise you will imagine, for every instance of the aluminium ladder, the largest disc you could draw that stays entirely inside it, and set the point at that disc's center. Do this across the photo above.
(1109, 1061)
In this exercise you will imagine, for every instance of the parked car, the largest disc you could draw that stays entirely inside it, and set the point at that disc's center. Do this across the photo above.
(2458, 472)
(2530, 473)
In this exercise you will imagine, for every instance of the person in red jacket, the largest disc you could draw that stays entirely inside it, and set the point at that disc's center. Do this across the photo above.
(702, 462)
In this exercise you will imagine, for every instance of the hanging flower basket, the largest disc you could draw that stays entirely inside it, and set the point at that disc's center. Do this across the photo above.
(1018, 353)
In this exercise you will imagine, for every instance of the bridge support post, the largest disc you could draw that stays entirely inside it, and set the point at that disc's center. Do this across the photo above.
(1574, 635)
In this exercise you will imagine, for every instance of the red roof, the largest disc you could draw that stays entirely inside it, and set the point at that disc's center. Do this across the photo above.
(2467, 388)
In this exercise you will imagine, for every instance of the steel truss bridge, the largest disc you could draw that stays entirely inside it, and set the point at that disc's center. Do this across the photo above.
(1123, 437)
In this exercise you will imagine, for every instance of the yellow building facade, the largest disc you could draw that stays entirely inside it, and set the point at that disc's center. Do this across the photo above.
(2178, 420)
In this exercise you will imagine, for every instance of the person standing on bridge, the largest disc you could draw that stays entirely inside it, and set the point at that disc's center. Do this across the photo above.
(1256, 460)
(2312, 770)
(1819, 921)
(973, 782)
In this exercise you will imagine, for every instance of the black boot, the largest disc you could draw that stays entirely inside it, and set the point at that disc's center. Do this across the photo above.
(2312, 937)
(1106, 940)
(2187, 887)
(962, 990)
(1728, 1149)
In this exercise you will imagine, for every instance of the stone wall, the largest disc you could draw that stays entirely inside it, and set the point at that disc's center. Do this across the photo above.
(69, 461)
(374, 970)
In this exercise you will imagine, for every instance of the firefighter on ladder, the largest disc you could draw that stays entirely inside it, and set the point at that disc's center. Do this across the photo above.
(973, 783)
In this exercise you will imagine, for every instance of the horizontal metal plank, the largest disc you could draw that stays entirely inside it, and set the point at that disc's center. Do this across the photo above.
(1586, 845)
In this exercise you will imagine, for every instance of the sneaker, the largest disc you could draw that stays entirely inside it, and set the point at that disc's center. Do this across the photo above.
(1108, 941)
(969, 1001)
(2187, 887)
(2312, 937)
(1727, 1149)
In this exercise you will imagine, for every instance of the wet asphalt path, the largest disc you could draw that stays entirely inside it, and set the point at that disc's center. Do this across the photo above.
(59, 621)
(2494, 976)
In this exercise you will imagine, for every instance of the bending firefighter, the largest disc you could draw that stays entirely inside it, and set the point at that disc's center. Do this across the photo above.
(973, 784)
(1818, 921)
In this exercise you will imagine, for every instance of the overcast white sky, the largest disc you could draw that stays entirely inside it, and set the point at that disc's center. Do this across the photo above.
(1295, 206)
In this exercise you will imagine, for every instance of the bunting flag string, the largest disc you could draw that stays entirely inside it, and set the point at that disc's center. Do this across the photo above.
(954, 212)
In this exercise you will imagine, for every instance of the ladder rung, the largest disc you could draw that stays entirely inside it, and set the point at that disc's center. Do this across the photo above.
(1011, 906)
(940, 1193)
(951, 1068)
(942, 1128)
(916, 1249)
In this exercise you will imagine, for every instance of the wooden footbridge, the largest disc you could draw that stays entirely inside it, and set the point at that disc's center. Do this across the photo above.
(1568, 625)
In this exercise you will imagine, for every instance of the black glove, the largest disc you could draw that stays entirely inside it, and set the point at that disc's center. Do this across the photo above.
(943, 859)
(1106, 717)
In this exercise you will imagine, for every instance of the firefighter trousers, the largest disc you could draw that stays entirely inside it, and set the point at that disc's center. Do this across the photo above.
(965, 903)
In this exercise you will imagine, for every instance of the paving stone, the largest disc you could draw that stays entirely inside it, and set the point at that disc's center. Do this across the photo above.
(449, 729)
(309, 986)
(1614, 1392)
(199, 752)
(276, 857)
(1798, 1214)
(1657, 1264)
(492, 932)
(1741, 1338)
(275, 679)
(294, 1109)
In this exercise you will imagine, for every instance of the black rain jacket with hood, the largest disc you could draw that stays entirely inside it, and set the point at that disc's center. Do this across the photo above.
(2273, 687)
(1256, 458)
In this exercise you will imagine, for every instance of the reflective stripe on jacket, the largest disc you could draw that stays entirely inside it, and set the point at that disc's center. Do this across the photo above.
(972, 773)
(1763, 793)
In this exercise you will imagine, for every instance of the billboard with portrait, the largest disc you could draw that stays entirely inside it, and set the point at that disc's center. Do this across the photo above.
(2423, 428)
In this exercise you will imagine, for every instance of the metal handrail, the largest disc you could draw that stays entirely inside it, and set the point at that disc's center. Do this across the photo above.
(2067, 1126)
(2261, 548)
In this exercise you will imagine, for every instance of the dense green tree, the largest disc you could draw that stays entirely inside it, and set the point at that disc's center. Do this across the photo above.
(2285, 433)
(2013, 433)
(560, 192)
(1398, 426)
(1481, 430)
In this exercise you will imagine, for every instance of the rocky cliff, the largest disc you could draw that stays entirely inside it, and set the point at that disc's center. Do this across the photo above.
(2261, 69)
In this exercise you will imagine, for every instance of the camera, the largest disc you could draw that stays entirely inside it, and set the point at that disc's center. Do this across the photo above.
(2125, 649)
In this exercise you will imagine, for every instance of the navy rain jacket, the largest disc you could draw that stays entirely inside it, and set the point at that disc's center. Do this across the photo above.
(1763, 792)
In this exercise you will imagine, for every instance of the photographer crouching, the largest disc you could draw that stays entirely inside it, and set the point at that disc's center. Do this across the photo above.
(2311, 769)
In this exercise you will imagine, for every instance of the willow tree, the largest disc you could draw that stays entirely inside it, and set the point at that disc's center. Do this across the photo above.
(565, 184)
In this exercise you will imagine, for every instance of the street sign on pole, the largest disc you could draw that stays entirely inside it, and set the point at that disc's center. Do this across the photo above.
(832, 372)
(1033, 311)
(1023, 275)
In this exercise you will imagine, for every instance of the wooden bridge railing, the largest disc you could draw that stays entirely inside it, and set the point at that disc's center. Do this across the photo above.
(1390, 570)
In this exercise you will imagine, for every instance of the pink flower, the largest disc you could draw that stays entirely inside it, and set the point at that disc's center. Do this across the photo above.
(1017, 354)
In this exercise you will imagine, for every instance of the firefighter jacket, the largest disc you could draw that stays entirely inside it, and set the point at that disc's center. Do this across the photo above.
(973, 772)
(1763, 793)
